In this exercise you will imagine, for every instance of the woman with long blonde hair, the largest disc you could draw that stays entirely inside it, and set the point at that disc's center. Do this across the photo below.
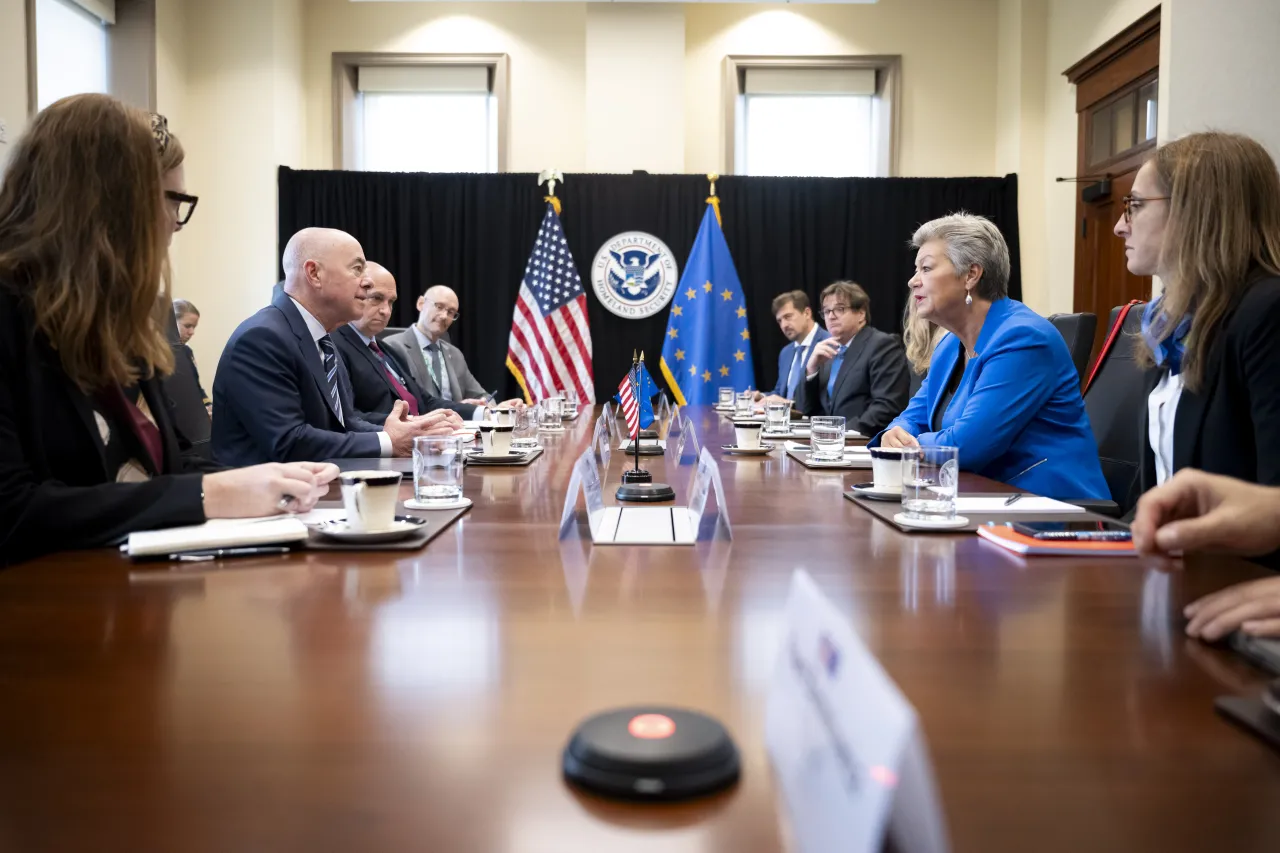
(89, 452)
(1204, 216)
(919, 336)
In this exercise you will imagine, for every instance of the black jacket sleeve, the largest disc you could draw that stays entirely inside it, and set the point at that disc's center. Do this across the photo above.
(890, 385)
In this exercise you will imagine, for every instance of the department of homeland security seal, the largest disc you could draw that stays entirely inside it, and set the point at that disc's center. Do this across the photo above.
(634, 275)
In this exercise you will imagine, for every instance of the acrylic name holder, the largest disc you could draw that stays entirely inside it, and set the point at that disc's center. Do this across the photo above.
(639, 525)
(602, 446)
(684, 447)
(845, 744)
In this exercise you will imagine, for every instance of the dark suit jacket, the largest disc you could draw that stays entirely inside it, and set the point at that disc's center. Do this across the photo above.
(1231, 425)
(55, 493)
(785, 358)
(871, 388)
(185, 396)
(371, 388)
(272, 398)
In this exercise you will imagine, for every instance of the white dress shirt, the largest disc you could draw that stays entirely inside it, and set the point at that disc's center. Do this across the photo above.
(1162, 408)
(803, 350)
(318, 331)
(424, 342)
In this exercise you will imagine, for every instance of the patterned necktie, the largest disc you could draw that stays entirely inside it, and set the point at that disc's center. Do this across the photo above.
(435, 362)
(797, 370)
(401, 391)
(835, 371)
(331, 372)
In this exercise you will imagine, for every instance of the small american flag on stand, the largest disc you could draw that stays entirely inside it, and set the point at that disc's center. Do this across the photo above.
(630, 407)
(550, 345)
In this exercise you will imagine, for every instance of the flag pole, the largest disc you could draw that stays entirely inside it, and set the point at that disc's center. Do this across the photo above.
(635, 394)
(637, 483)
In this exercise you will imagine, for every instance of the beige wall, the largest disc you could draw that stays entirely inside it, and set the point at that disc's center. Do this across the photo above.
(13, 72)
(948, 50)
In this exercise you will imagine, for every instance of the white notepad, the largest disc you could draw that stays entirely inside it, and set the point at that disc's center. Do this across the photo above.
(215, 534)
(996, 505)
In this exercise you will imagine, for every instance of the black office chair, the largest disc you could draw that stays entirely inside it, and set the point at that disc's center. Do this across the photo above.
(1115, 404)
(1077, 330)
(916, 379)
(389, 331)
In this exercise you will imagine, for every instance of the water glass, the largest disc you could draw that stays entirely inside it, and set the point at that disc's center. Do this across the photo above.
(777, 416)
(551, 413)
(744, 403)
(826, 438)
(568, 404)
(525, 435)
(437, 468)
(929, 481)
(726, 395)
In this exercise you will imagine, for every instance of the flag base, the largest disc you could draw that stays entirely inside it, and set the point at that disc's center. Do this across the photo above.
(636, 475)
(645, 492)
(644, 449)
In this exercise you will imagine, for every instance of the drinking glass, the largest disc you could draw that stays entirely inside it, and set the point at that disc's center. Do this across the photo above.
(726, 395)
(437, 468)
(525, 434)
(551, 413)
(929, 480)
(568, 404)
(826, 438)
(745, 401)
(777, 416)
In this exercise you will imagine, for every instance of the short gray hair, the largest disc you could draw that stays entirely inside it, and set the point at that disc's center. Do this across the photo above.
(971, 240)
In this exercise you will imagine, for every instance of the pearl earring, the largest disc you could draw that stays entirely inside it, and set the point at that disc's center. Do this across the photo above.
(968, 298)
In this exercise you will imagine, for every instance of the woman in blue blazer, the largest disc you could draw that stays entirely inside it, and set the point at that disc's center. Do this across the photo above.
(1001, 386)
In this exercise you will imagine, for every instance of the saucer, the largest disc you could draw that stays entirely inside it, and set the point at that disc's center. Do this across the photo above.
(480, 455)
(940, 524)
(403, 527)
(869, 491)
(460, 503)
(734, 449)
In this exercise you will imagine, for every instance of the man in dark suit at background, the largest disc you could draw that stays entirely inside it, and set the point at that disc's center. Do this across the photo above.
(378, 379)
(859, 372)
(281, 391)
(795, 319)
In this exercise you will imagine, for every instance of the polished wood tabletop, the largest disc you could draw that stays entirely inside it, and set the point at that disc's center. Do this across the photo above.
(420, 700)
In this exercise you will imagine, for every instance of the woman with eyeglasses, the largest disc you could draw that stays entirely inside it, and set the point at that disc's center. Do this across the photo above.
(1002, 386)
(1204, 216)
(89, 453)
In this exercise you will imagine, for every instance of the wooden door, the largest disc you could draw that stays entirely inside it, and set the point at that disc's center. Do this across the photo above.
(1116, 104)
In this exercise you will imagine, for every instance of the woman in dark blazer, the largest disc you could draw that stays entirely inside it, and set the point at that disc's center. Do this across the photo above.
(87, 446)
(1001, 387)
(1204, 215)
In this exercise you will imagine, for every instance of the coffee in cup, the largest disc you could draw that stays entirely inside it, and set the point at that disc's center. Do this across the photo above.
(495, 439)
(747, 434)
(886, 468)
(369, 498)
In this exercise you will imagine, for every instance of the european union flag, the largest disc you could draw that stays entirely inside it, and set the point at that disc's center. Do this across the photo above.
(645, 388)
(707, 341)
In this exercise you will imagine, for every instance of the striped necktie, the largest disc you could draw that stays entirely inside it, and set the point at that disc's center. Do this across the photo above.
(331, 372)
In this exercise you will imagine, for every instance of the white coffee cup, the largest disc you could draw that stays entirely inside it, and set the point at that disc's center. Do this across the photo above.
(747, 434)
(504, 417)
(369, 498)
(495, 439)
(886, 468)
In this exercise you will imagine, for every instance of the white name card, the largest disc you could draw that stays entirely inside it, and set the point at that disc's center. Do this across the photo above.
(844, 741)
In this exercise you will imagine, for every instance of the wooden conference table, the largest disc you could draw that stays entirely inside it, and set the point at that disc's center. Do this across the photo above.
(420, 700)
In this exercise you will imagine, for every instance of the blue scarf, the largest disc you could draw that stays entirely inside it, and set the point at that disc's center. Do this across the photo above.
(1168, 352)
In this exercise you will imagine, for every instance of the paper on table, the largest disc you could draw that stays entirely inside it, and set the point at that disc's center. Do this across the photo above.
(151, 543)
(996, 505)
(849, 452)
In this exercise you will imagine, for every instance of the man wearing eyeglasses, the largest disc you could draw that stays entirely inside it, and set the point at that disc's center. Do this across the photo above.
(859, 372)
(436, 365)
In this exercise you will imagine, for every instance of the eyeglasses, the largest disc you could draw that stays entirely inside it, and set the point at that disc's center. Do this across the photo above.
(183, 205)
(1131, 200)
(451, 313)
(835, 310)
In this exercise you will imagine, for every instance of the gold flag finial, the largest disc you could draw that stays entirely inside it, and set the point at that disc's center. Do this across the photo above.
(713, 177)
(642, 356)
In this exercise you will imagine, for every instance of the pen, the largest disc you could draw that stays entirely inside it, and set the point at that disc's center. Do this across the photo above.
(1025, 470)
(1011, 499)
(205, 556)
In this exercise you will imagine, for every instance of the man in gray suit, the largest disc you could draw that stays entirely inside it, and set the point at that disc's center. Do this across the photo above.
(859, 372)
(436, 365)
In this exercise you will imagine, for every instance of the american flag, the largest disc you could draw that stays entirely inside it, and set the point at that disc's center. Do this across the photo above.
(550, 345)
(630, 408)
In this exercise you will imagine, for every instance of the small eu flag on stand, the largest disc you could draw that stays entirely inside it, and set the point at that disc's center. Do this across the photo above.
(707, 343)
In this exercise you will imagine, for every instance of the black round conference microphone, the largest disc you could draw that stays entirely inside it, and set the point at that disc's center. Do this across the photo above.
(651, 753)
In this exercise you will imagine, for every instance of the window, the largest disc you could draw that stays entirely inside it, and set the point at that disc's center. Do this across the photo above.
(419, 112)
(811, 117)
(71, 48)
(1124, 124)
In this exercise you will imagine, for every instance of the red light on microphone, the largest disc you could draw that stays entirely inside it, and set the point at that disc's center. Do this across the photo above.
(651, 726)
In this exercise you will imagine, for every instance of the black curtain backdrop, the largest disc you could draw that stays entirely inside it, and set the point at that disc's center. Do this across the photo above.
(474, 233)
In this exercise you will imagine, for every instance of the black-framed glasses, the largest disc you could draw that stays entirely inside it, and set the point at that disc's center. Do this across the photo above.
(184, 205)
(1131, 200)
(451, 313)
(835, 310)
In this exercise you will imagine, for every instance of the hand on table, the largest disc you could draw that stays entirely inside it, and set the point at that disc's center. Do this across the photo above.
(1252, 607)
(257, 490)
(1195, 511)
(897, 437)
(403, 430)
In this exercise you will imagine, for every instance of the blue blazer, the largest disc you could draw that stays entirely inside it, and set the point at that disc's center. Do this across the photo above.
(271, 398)
(1018, 402)
(784, 363)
